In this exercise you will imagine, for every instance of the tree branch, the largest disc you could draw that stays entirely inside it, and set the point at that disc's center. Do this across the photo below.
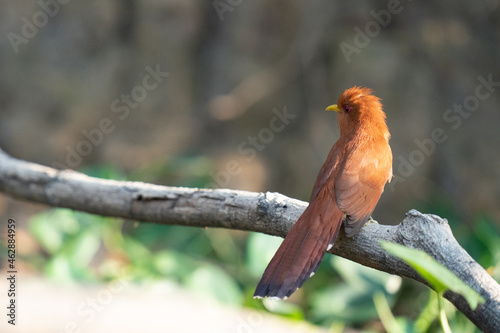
(270, 213)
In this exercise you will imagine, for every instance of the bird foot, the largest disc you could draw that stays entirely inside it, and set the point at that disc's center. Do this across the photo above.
(371, 220)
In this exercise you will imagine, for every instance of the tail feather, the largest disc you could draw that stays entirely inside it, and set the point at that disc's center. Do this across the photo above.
(300, 254)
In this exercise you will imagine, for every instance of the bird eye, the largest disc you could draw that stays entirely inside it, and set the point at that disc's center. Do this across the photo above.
(347, 108)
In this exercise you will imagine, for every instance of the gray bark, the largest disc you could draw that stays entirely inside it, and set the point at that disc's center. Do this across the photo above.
(270, 213)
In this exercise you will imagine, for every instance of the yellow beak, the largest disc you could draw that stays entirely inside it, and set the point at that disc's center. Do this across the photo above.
(333, 107)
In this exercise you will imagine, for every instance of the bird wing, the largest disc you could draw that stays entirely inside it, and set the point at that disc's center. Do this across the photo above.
(360, 182)
(327, 171)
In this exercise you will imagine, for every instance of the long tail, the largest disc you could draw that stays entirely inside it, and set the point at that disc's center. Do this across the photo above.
(301, 252)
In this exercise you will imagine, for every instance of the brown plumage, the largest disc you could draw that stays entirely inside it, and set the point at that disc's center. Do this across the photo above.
(350, 182)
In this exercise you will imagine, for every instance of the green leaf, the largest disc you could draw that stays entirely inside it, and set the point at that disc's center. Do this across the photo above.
(428, 314)
(365, 279)
(342, 303)
(352, 300)
(59, 269)
(440, 277)
(136, 251)
(51, 227)
(83, 247)
(260, 250)
(388, 320)
(213, 283)
(174, 265)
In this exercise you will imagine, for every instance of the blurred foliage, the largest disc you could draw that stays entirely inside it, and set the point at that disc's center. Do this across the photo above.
(225, 265)
(439, 277)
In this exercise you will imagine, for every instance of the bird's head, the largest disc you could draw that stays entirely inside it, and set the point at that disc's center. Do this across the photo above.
(358, 108)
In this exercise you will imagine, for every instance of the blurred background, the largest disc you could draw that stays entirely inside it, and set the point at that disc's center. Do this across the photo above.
(230, 94)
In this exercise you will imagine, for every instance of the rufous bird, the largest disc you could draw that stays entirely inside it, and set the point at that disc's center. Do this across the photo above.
(347, 189)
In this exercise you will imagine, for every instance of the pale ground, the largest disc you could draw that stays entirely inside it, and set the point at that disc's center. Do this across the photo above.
(42, 306)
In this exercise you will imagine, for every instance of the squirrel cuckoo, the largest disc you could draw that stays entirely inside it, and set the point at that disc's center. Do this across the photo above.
(347, 189)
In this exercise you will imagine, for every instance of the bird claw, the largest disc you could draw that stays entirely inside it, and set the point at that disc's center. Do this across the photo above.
(370, 220)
